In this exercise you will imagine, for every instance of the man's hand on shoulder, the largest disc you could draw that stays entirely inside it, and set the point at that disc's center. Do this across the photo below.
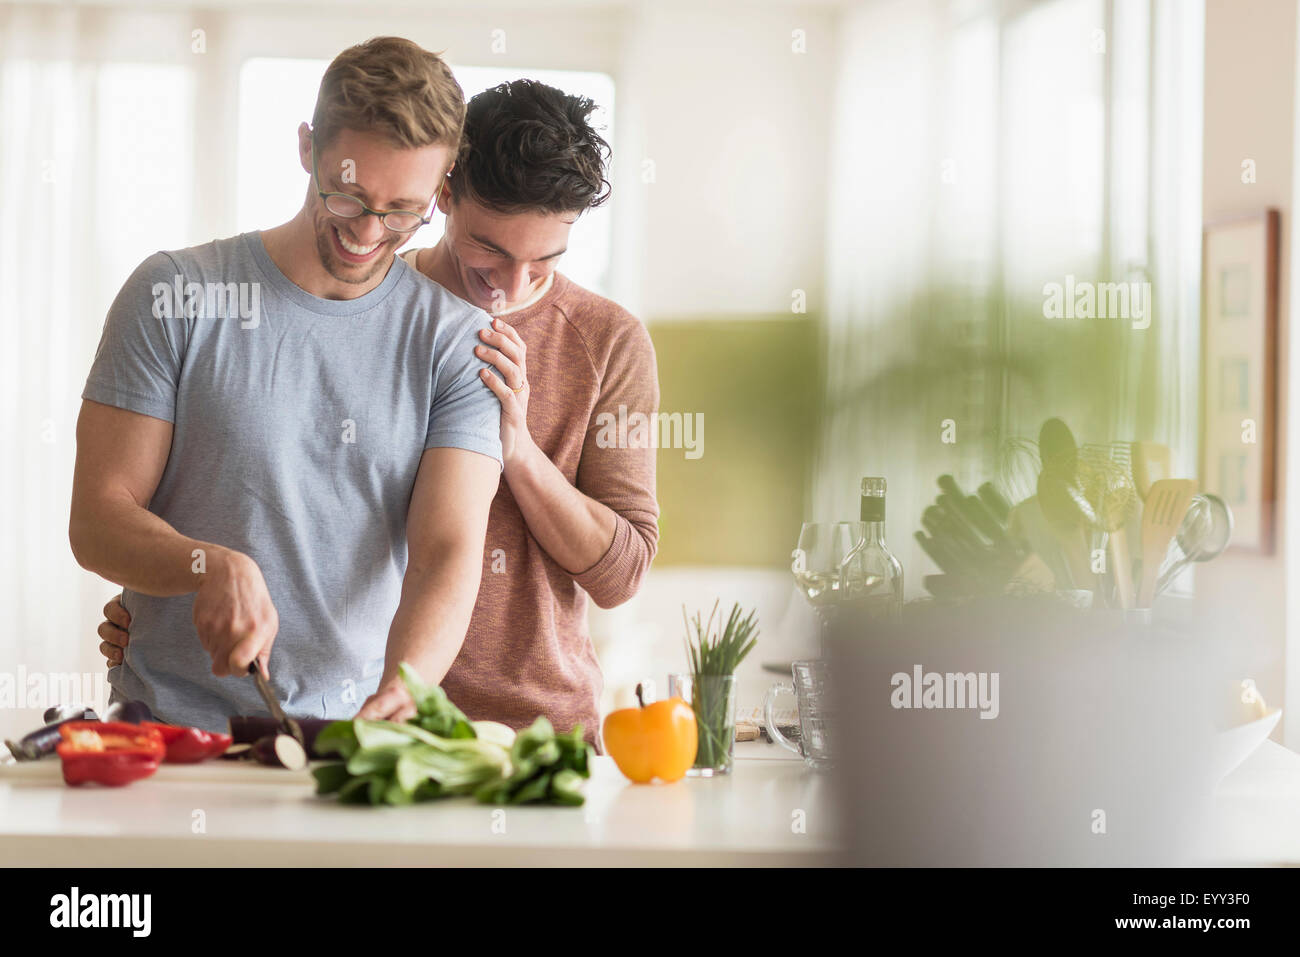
(233, 614)
(505, 350)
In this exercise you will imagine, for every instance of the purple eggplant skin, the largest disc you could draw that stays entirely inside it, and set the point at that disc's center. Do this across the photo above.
(44, 740)
(249, 729)
(132, 712)
(267, 751)
(66, 712)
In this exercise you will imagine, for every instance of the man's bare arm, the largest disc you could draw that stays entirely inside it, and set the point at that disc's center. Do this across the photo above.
(446, 529)
(120, 460)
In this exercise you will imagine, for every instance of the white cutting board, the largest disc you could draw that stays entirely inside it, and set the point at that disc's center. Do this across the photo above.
(49, 770)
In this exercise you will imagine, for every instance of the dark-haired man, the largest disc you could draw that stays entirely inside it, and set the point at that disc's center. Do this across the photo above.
(576, 515)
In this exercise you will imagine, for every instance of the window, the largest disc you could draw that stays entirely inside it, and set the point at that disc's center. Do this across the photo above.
(981, 152)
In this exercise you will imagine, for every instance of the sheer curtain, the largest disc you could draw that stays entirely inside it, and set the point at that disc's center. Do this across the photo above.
(96, 113)
(984, 149)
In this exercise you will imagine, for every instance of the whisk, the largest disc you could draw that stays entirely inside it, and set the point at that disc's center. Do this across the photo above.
(1019, 463)
(1105, 475)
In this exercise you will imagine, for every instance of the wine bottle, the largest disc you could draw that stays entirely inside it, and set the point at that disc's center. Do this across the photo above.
(872, 581)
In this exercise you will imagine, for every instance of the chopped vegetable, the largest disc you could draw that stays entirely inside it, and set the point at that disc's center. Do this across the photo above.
(44, 740)
(441, 753)
(109, 752)
(280, 751)
(494, 731)
(129, 712)
(545, 767)
(249, 729)
(189, 745)
(237, 752)
(434, 710)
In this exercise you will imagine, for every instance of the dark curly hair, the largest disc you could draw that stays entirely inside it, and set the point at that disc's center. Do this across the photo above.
(529, 146)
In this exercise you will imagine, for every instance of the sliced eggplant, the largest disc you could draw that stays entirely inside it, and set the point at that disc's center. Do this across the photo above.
(237, 752)
(249, 729)
(280, 751)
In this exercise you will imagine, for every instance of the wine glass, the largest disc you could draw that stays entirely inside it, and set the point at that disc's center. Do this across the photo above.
(819, 566)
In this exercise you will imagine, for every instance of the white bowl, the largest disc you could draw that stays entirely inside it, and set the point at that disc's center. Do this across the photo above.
(1229, 748)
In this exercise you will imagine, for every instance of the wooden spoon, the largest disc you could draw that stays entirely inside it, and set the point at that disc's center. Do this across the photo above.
(1150, 465)
(1166, 505)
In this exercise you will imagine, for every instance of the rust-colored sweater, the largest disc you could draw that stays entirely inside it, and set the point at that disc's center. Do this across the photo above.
(528, 651)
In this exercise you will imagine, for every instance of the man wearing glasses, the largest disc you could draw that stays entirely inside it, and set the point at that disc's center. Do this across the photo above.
(319, 478)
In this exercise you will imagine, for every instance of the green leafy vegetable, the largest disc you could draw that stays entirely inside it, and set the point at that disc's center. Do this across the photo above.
(439, 753)
(545, 767)
(337, 738)
(565, 787)
(330, 777)
(434, 711)
(370, 760)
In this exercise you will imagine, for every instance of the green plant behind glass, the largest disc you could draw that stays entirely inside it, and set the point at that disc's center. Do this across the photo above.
(714, 653)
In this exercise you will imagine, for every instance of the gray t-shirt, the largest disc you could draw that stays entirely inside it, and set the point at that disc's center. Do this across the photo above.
(298, 429)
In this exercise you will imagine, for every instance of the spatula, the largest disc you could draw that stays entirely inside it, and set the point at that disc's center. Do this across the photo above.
(1166, 505)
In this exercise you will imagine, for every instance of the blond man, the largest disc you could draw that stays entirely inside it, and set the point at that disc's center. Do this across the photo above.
(285, 441)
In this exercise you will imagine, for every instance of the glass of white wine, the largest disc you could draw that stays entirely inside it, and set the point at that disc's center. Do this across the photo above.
(823, 567)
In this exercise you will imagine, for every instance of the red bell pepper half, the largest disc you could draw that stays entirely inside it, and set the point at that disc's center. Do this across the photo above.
(108, 752)
(189, 745)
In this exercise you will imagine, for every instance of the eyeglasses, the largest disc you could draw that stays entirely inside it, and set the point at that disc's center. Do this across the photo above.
(348, 206)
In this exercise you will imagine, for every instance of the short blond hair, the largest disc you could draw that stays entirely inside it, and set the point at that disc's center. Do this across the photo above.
(391, 86)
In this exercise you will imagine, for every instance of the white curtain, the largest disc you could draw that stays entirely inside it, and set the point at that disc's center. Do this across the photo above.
(95, 124)
(980, 150)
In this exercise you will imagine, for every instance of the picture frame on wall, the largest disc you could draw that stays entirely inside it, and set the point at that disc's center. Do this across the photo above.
(1239, 335)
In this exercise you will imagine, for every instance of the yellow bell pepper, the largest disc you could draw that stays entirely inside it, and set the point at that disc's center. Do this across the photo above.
(652, 741)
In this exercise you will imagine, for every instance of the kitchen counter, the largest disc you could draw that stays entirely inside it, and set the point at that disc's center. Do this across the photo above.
(1257, 810)
(230, 814)
(233, 814)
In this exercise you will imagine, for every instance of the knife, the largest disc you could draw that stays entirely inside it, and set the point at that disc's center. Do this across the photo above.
(287, 724)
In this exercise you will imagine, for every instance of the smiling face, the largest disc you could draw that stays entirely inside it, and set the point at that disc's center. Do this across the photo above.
(383, 176)
(502, 259)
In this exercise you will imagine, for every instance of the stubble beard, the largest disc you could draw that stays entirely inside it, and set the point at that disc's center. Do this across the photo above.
(345, 271)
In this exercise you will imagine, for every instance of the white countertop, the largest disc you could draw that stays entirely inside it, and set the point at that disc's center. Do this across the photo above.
(1257, 809)
(259, 816)
(252, 816)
